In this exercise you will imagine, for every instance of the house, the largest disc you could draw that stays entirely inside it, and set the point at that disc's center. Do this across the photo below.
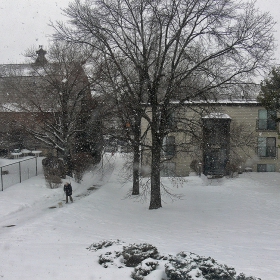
(12, 136)
(238, 135)
(38, 99)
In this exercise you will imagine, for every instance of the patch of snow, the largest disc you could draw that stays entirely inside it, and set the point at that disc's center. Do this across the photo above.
(235, 221)
(217, 116)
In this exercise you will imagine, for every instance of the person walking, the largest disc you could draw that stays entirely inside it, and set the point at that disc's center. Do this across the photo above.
(68, 191)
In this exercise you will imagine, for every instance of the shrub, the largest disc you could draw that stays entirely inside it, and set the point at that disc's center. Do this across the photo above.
(108, 258)
(231, 169)
(194, 165)
(145, 259)
(53, 181)
(143, 269)
(189, 266)
(103, 244)
(134, 254)
(81, 162)
(242, 276)
(53, 171)
(53, 166)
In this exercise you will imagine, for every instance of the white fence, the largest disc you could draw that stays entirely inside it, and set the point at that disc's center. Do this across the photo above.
(19, 171)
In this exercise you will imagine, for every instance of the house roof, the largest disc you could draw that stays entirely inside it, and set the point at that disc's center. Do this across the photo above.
(225, 102)
(23, 70)
(217, 116)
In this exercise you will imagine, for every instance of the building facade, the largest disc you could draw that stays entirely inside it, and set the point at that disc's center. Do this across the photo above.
(229, 135)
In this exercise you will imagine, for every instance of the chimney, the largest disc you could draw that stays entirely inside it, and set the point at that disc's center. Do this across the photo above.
(41, 60)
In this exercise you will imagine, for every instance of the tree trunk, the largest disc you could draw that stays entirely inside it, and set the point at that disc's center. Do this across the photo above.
(155, 201)
(136, 155)
(136, 166)
(68, 164)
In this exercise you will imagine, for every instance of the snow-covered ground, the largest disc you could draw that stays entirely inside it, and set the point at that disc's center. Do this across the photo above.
(235, 221)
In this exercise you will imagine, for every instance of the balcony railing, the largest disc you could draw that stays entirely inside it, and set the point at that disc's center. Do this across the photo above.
(267, 152)
(266, 124)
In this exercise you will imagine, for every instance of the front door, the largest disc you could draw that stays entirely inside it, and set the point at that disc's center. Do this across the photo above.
(215, 145)
(215, 161)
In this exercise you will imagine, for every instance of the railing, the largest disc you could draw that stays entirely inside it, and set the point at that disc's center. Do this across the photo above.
(19, 171)
(266, 124)
(267, 152)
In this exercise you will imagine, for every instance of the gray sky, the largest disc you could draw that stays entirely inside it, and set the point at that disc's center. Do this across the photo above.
(24, 23)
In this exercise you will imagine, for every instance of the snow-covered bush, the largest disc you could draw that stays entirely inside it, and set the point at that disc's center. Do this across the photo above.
(189, 266)
(145, 259)
(232, 169)
(53, 181)
(53, 171)
(81, 162)
(103, 244)
(143, 269)
(109, 258)
(242, 276)
(134, 254)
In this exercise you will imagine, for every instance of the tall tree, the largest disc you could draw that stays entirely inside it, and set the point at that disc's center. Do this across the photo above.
(56, 94)
(269, 96)
(168, 44)
(124, 106)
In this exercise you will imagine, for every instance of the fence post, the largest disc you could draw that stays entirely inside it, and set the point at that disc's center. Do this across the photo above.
(2, 179)
(36, 166)
(19, 171)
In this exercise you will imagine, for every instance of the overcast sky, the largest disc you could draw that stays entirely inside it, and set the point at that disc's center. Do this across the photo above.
(24, 23)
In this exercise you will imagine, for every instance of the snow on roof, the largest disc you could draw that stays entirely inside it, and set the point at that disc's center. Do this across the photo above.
(217, 116)
(10, 107)
(24, 70)
(224, 101)
(234, 102)
(15, 107)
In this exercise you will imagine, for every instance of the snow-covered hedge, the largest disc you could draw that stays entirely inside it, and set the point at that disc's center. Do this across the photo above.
(144, 269)
(103, 244)
(146, 260)
(191, 266)
(134, 254)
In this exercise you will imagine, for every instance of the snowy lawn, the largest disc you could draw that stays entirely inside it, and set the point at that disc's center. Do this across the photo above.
(235, 221)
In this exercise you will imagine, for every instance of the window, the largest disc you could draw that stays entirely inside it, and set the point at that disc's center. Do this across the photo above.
(266, 120)
(270, 168)
(266, 167)
(168, 146)
(266, 147)
(171, 120)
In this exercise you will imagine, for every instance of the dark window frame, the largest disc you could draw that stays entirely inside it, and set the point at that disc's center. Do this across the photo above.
(267, 123)
(169, 146)
(265, 149)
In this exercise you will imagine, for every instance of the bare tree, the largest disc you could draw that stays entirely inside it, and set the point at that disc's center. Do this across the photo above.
(170, 43)
(242, 142)
(56, 95)
(123, 108)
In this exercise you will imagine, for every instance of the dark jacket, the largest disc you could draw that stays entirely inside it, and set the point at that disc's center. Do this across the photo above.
(68, 189)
